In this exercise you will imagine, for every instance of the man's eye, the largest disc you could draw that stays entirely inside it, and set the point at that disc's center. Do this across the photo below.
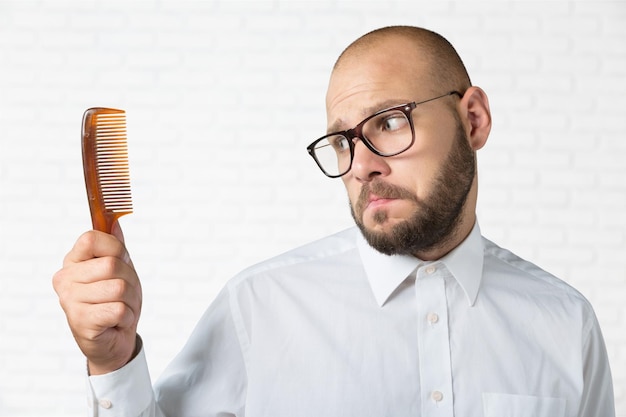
(340, 144)
(394, 122)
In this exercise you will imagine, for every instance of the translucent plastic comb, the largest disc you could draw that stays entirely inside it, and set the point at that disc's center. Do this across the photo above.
(105, 163)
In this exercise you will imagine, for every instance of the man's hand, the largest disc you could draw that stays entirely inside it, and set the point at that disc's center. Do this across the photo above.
(100, 293)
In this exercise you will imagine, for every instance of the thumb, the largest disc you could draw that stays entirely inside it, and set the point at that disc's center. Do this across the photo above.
(116, 231)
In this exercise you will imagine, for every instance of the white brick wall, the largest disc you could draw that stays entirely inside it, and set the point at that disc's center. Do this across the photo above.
(222, 98)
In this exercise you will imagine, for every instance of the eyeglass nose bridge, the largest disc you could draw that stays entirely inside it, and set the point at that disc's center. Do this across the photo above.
(357, 133)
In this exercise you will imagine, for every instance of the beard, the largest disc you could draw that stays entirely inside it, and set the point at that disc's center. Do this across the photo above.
(436, 218)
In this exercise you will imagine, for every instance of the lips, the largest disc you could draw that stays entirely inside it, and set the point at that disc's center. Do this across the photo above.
(379, 193)
(375, 201)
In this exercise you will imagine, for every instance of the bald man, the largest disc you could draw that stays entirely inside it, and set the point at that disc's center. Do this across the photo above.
(411, 313)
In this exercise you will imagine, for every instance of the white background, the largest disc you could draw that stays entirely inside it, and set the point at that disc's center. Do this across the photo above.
(222, 98)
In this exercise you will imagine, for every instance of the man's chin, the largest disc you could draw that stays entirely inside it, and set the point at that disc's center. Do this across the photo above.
(379, 229)
(380, 236)
(379, 221)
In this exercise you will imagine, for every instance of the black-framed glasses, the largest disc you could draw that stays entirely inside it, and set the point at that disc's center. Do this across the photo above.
(388, 132)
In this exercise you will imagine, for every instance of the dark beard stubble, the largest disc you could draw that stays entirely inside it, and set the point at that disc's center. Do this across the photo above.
(436, 218)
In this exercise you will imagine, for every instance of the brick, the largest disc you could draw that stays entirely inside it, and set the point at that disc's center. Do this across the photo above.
(606, 8)
(86, 20)
(549, 9)
(541, 197)
(590, 44)
(578, 216)
(581, 25)
(505, 23)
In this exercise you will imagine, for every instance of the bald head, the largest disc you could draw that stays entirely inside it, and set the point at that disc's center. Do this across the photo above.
(446, 70)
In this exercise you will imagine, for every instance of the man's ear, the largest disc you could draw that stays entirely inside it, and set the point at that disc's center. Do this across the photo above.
(476, 116)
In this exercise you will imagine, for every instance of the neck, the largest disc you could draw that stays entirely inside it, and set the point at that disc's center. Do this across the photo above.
(454, 239)
(459, 233)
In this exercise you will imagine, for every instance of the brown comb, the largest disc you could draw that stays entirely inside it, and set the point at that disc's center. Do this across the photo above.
(105, 163)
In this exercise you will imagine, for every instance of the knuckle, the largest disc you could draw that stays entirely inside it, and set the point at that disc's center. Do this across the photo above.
(86, 240)
(67, 258)
(58, 280)
(117, 289)
(62, 286)
(108, 266)
(65, 301)
(117, 311)
(105, 316)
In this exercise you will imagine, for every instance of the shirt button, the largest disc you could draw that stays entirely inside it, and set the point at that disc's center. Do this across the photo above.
(105, 403)
(436, 396)
(433, 318)
(430, 270)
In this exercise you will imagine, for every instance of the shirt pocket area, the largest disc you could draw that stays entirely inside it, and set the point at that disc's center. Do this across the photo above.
(509, 405)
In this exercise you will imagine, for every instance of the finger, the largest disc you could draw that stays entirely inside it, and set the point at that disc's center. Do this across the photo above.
(97, 269)
(95, 244)
(114, 315)
(78, 291)
(108, 291)
(90, 321)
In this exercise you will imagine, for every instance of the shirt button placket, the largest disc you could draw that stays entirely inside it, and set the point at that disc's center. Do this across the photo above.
(433, 341)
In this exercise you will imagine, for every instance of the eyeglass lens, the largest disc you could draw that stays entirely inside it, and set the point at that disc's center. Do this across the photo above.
(388, 133)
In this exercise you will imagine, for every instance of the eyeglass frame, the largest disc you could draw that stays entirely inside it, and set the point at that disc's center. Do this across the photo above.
(357, 132)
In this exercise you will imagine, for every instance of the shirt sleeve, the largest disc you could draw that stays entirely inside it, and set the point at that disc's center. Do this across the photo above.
(208, 377)
(125, 392)
(598, 398)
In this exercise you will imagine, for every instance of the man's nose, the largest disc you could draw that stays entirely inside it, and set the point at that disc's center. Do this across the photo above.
(366, 165)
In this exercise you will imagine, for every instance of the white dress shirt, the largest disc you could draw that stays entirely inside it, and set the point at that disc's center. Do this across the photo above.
(335, 328)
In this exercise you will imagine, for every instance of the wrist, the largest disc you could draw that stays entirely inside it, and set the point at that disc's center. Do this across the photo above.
(94, 368)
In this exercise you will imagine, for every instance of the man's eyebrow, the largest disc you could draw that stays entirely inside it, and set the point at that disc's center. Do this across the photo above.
(339, 125)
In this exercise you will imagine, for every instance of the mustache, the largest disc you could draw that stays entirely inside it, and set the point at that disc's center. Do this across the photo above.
(383, 190)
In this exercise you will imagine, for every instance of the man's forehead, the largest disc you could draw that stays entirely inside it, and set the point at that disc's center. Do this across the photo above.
(378, 65)
(356, 93)
(372, 76)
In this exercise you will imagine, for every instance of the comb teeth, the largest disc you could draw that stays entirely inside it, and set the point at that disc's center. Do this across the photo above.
(111, 153)
(105, 165)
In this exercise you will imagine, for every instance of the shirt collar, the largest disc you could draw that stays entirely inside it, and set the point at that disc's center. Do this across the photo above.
(386, 272)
